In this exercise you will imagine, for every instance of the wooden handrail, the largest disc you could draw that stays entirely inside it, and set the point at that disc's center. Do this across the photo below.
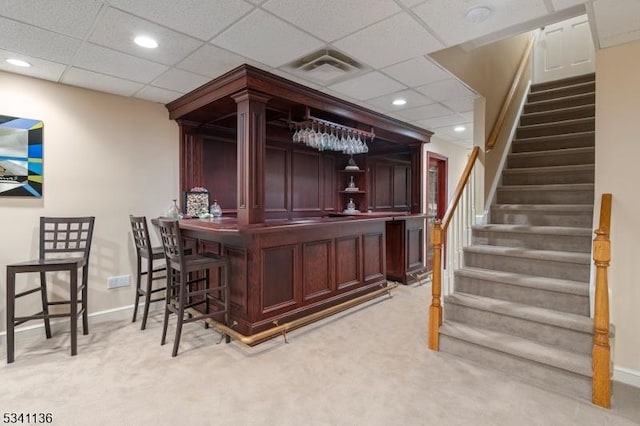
(446, 219)
(438, 234)
(601, 353)
(493, 136)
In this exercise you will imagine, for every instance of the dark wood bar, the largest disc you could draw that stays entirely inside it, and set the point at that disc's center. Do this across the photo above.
(294, 246)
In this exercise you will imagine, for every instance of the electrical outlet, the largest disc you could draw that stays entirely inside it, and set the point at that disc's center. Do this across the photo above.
(119, 281)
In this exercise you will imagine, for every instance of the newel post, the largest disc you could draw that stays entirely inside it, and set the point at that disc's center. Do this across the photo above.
(435, 310)
(601, 355)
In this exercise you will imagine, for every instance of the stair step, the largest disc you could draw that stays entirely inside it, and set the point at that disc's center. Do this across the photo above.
(548, 143)
(568, 81)
(556, 157)
(550, 293)
(559, 103)
(574, 173)
(575, 193)
(575, 215)
(547, 263)
(534, 237)
(560, 329)
(538, 364)
(556, 128)
(561, 92)
(581, 111)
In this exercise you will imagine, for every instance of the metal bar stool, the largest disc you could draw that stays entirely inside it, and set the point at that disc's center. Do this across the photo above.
(150, 254)
(65, 244)
(185, 273)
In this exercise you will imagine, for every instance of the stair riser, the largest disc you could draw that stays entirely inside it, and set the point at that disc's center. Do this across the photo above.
(509, 196)
(559, 337)
(542, 177)
(555, 129)
(539, 267)
(541, 218)
(547, 85)
(573, 243)
(564, 302)
(558, 115)
(587, 99)
(551, 159)
(561, 92)
(563, 142)
(546, 377)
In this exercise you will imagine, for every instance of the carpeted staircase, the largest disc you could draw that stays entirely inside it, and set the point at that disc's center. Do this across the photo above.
(521, 302)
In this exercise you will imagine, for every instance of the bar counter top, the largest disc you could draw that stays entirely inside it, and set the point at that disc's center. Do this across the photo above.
(230, 224)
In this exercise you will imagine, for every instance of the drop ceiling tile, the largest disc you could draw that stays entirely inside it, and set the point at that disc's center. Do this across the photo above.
(156, 94)
(414, 99)
(411, 3)
(393, 40)
(423, 112)
(71, 17)
(39, 67)
(101, 82)
(117, 64)
(201, 19)
(332, 19)
(416, 72)
(467, 133)
(36, 42)
(446, 89)
(444, 121)
(367, 86)
(267, 39)
(459, 104)
(211, 61)
(444, 137)
(116, 30)
(180, 81)
(617, 21)
(446, 17)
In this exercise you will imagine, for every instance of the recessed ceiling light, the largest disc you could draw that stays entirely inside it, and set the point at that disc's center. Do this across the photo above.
(478, 14)
(18, 63)
(145, 41)
(459, 129)
(399, 102)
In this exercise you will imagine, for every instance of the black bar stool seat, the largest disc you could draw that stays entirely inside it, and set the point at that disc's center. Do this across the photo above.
(69, 239)
(188, 283)
(145, 251)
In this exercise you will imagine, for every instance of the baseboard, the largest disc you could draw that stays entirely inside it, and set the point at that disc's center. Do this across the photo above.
(627, 376)
(61, 324)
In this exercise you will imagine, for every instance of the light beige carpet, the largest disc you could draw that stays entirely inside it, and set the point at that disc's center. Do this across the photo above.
(369, 366)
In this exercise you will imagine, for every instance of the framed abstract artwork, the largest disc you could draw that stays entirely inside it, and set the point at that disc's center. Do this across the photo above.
(20, 157)
(196, 201)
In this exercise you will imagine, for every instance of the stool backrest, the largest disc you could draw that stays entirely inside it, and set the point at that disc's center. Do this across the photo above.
(140, 233)
(171, 242)
(66, 235)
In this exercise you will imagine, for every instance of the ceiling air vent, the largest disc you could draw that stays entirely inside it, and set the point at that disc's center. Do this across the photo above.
(325, 66)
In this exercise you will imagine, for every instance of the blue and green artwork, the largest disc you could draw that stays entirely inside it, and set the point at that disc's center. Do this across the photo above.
(20, 157)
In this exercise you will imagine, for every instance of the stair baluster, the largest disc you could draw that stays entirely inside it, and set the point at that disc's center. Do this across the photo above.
(601, 355)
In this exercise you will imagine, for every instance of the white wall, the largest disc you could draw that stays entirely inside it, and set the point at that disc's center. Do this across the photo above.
(617, 156)
(104, 156)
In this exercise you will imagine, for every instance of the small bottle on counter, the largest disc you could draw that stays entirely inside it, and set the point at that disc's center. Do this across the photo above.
(351, 206)
(215, 210)
(173, 211)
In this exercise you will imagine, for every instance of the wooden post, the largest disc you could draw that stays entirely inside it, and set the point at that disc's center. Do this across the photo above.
(601, 354)
(251, 139)
(435, 310)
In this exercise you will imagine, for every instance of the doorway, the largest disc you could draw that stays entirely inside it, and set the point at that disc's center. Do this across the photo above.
(436, 197)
